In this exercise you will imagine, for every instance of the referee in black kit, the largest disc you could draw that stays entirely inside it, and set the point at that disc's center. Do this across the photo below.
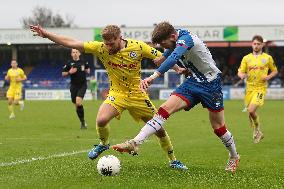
(77, 69)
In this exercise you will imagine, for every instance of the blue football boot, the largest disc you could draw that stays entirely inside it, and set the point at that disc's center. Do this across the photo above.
(176, 164)
(97, 150)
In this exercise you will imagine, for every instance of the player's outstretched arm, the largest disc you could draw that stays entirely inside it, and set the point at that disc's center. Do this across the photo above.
(59, 39)
(159, 60)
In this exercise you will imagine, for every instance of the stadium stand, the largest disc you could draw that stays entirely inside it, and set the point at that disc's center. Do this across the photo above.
(47, 75)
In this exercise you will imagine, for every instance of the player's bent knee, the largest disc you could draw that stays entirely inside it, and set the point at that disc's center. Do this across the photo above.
(102, 121)
(251, 112)
(78, 104)
(217, 125)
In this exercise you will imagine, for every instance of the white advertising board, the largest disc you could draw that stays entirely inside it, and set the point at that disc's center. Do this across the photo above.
(272, 93)
(234, 93)
(45, 94)
(24, 36)
(164, 94)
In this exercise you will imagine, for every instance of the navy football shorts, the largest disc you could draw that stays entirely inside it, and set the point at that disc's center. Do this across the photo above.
(209, 94)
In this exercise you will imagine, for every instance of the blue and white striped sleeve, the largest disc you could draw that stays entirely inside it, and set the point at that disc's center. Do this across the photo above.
(183, 44)
(167, 53)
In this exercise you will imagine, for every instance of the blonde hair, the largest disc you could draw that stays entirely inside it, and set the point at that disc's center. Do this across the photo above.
(111, 32)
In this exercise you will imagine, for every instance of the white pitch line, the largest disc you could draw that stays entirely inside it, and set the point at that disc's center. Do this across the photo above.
(50, 139)
(64, 154)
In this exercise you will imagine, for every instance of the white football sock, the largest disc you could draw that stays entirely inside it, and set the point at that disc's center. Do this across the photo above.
(151, 127)
(228, 141)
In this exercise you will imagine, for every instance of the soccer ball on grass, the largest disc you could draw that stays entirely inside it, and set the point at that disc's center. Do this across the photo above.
(108, 165)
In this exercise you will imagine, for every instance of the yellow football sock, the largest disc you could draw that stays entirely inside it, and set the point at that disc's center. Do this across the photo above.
(167, 146)
(251, 122)
(103, 133)
(256, 122)
(11, 109)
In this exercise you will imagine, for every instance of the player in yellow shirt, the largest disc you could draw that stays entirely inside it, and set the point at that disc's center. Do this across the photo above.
(14, 94)
(254, 68)
(122, 60)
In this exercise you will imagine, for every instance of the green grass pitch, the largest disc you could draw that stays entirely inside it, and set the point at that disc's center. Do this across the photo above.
(36, 147)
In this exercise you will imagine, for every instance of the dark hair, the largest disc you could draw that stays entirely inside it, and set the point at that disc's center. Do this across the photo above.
(162, 31)
(258, 38)
(111, 32)
(76, 50)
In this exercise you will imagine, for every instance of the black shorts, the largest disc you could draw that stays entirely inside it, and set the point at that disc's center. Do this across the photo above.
(78, 91)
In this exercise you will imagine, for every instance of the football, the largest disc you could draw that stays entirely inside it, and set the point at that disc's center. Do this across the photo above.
(108, 165)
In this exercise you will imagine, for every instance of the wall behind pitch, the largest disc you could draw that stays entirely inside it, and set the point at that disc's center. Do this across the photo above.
(233, 93)
(164, 94)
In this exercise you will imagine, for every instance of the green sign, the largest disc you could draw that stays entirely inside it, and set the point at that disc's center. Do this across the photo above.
(231, 33)
(98, 34)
